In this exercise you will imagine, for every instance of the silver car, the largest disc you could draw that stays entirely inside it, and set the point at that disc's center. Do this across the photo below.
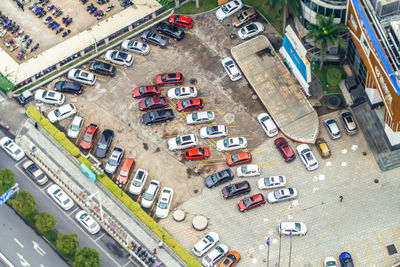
(282, 195)
(200, 117)
(49, 97)
(76, 126)
(332, 127)
(150, 195)
(231, 69)
(119, 58)
(115, 159)
(136, 47)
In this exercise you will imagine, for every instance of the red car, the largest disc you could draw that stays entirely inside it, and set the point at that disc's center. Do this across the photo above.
(180, 20)
(197, 153)
(153, 103)
(252, 202)
(286, 151)
(145, 91)
(190, 104)
(239, 158)
(169, 78)
(89, 136)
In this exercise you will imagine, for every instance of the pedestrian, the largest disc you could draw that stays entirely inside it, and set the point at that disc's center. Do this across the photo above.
(160, 244)
(155, 251)
(340, 198)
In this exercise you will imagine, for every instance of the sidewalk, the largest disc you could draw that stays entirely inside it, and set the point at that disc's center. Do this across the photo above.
(67, 168)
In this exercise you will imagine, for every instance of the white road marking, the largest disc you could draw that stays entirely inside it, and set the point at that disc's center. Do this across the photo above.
(274, 241)
(354, 147)
(344, 151)
(315, 189)
(261, 247)
(265, 220)
(328, 163)
(23, 261)
(99, 237)
(321, 177)
(38, 248)
(344, 164)
(41, 265)
(289, 217)
(254, 260)
(19, 243)
(251, 250)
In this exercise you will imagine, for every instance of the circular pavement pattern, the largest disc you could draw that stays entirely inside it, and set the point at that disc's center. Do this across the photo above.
(200, 223)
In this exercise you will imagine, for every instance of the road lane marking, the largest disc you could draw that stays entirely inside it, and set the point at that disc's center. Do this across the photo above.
(19, 243)
(370, 252)
(383, 252)
(365, 251)
(38, 248)
(24, 262)
(100, 237)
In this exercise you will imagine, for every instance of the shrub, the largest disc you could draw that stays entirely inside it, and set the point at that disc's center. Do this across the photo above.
(333, 76)
(59, 136)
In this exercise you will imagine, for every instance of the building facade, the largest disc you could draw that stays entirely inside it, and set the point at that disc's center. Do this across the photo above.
(310, 9)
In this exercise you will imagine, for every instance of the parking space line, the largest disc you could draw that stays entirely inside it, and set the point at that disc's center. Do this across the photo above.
(201, 21)
(155, 47)
(384, 245)
(259, 152)
(115, 143)
(383, 252)
(193, 30)
(188, 32)
(395, 238)
(80, 105)
(99, 237)
(119, 69)
(365, 251)
(354, 258)
(370, 252)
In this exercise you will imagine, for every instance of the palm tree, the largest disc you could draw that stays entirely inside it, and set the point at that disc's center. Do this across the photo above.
(326, 34)
(278, 5)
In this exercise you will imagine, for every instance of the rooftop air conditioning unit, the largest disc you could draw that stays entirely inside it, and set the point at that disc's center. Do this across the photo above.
(385, 8)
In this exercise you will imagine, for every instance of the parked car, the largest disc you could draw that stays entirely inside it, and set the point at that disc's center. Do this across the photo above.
(292, 228)
(89, 136)
(49, 97)
(230, 260)
(115, 159)
(75, 126)
(11, 148)
(330, 262)
(170, 30)
(153, 103)
(164, 202)
(150, 195)
(251, 202)
(200, 117)
(190, 104)
(239, 158)
(25, 97)
(307, 157)
(346, 260)
(215, 255)
(182, 142)
(82, 76)
(145, 91)
(197, 153)
(244, 16)
(156, 116)
(35, 172)
(268, 124)
(283, 146)
(282, 195)
(61, 113)
(248, 170)
(228, 9)
(271, 182)
(182, 92)
(219, 178)
(68, 87)
(154, 39)
(236, 189)
(231, 69)
(125, 172)
(138, 182)
(87, 222)
(180, 20)
(213, 131)
(60, 197)
(332, 127)
(231, 143)
(119, 58)
(169, 78)
(104, 143)
(205, 244)
(136, 47)
(250, 30)
(102, 68)
(348, 122)
(323, 148)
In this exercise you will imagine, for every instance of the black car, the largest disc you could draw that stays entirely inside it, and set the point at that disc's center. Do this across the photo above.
(170, 30)
(69, 87)
(158, 116)
(219, 178)
(25, 97)
(237, 189)
(104, 143)
(103, 68)
(154, 38)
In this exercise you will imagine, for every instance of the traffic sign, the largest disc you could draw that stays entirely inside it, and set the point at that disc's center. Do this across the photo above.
(6, 196)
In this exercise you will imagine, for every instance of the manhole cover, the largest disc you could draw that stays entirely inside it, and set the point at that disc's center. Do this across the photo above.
(233, 36)
(228, 25)
(193, 81)
(364, 153)
(229, 118)
(376, 181)
(194, 190)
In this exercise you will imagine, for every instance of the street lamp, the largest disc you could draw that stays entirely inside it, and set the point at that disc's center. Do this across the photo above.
(40, 105)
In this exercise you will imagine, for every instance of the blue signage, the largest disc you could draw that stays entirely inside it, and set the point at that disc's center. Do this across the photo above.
(6, 196)
(88, 172)
(297, 60)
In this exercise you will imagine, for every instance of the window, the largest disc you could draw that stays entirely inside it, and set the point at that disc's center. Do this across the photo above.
(338, 13)
(329, 11)
(314, 7)
(321, 10)
(365, 44)
(353, 22)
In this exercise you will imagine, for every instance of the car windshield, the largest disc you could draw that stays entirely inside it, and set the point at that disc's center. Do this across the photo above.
(147, 196)
(123, 173)
(164, 77)
(97, 65)
(74, 127)
(214, 178)
(347, 260)
(114, 54)
(226, 142)
(162, 205)
(251, 27)
(77, 73)
(7, 143)
(185, 103)
(141, 89)
(201, 150)
(209, 238)
(112, 162)
(137, 183)
(87, 138)
(331, 263)
(297, 226)
(152, 116)
(232, 257)
(66, 201)
(57, 113)
(277, 194)
(194, 116)
(243, 31)
(265, 118)
(212, 130)
(102, 145)
(224, 9)
(267, 181)
(32, 168)
(178, 91)
(147, 102)
(209, 114)
(246, 202)
(240, 17)
(235, 157)
(244, 169)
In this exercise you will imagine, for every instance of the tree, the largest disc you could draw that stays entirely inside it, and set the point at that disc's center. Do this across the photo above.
(45, 222)
(326, 34)
(278, 5)
(7, 179)
(87, 257)
(67, 244)
(24, 203)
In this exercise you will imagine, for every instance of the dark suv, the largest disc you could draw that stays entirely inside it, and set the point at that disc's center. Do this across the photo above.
(219, 178)
(170, 30)
(73, 88)
(103, 68)
(154, 38)
(237, 189)
(156, 116)
(283, 147)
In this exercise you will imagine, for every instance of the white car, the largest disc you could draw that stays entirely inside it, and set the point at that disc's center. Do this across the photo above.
(200, 117)
(250, 30)
(215, 255)
(205, 244)
(182, 142)
(182, 92)
(296, 228)
(49, 97)
(82, 76)
(164, 202)
(119, 58)
(136, 47)
(272, 182)
(282, 195)
(213, 131)
(332, 127)
(231, 69)
(87, 221)
(149, 196)
(307, 157)
(60, 197)
(231, 143)
(61, 113)
(76, 126)
(228, 9)
(268, 124)
(138, 182)
(330, 262)
(11, 148)
(248, 170)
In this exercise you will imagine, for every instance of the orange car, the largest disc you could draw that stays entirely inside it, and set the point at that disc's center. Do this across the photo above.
(125, 172)
(197, 153)
(239, 158)
(230, 260)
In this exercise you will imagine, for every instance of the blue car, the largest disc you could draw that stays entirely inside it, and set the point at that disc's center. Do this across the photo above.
(346, 260)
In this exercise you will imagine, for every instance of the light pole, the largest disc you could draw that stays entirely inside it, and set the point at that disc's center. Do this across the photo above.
(290, 250)
(268, 252)
(280, 241)
(39, 105)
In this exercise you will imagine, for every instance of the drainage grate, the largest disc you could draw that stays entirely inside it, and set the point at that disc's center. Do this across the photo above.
(233, 36)
(193, 81)
(391, 249)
